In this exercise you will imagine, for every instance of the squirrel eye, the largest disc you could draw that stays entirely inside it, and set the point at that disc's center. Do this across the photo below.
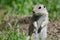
(44, 6)
(39, 8)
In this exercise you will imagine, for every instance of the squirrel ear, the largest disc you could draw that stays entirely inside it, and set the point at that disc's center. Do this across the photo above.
(44, 6)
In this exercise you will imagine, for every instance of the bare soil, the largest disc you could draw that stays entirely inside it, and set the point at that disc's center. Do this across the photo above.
(54, 30)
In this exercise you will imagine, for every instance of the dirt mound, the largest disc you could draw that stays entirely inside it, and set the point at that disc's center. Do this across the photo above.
(54, 30)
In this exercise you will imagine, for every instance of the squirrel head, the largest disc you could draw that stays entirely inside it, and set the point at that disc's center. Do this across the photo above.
(39, 9)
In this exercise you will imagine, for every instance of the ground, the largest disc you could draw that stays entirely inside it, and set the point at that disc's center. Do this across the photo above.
(54, 30)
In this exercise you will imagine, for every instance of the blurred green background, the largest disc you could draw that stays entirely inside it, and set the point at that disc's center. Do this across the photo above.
(24, 7)
(10, 8)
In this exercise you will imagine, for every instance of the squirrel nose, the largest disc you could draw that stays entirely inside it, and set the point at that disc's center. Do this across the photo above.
(33, 11)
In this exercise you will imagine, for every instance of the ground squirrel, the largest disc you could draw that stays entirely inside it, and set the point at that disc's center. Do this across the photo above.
(38, 24)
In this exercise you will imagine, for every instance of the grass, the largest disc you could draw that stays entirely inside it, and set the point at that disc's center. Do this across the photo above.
(12, 34)
(8, 31)
(24, 7)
